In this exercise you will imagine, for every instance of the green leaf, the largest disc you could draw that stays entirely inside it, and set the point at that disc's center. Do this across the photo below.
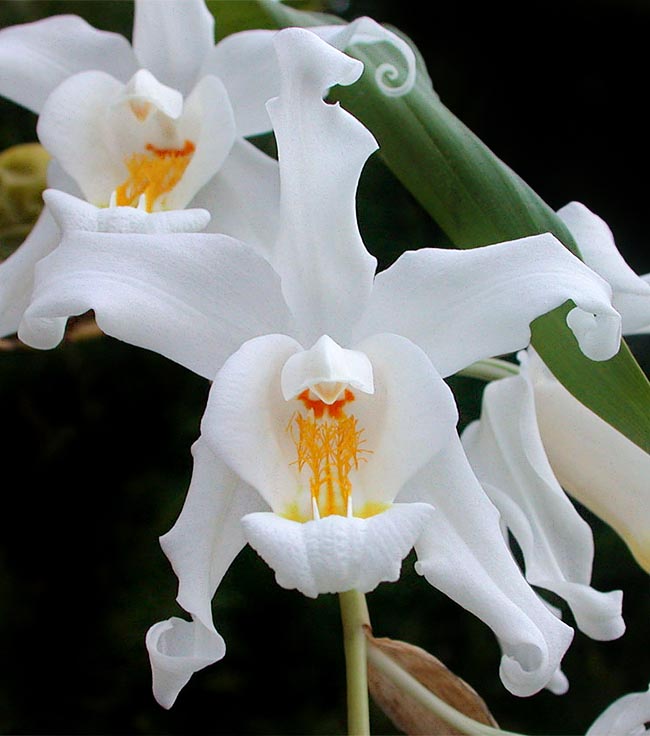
(478, 200)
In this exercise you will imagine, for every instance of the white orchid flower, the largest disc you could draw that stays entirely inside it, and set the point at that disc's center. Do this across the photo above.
(627, 716)
(329, 440)
(159, 125)
(535, 439)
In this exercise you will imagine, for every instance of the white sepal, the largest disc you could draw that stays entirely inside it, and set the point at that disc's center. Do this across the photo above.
(177, 649)
(506, 453)
(337, 553)
(626, 716)
(464, 306)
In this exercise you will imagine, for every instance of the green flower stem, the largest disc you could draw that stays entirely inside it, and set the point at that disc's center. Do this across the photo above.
(410, 686)
(354, 615)
(490, 369)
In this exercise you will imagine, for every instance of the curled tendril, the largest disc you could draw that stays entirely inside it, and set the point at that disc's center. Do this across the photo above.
(389, 72)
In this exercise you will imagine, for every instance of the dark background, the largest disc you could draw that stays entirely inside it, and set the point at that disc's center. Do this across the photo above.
(96, 436)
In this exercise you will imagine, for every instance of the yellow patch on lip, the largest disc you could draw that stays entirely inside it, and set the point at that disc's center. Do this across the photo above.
(153, 174)
(329, 444)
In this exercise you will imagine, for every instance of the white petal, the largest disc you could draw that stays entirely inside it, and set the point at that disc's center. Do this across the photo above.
(598, 249)
(177, 649)
(463, 306)
(246, 417)
(367, 31)
(171, 38)
(462, 552)
(507, 455)
(208, 122)
(409, 417)
(186, 296)
(326, 271)
(17, 272)
(595, 463)
(73, 128)
(626, 716)
(247, 64)
(337, 553)
(208, 535)
(36, 57)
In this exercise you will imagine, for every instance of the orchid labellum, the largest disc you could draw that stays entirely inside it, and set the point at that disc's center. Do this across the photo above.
(329, 441)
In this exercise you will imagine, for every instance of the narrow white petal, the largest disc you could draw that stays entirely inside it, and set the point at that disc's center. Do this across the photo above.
(367, 31)
(36, 57)
(17, 272)
(186, 296)
(462, 552)
(593, 462)
(463, 306)
(208, 535)
(596, 243)
(171, 38)
(337, 553)
(626, 716)
(244, 197)
(506, 453)
(177, 649)
(325, 268)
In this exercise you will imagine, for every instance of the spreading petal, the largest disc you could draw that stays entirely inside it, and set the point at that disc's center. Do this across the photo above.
(337, 553)
(185, 295)
(593, 462)
(172, 38)
(36, 57)
(325, 269)
(506, 453)
(208, 535)
(177, 649)
(626, 716)
(248, 66)
(631, 293)
(201, 547)
(367, 31)
(244, 197)
(462, 552)
(463, 306)
(17, 272)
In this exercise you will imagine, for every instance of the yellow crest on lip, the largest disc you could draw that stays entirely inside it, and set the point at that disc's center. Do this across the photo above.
(328, 444)
(153, 174)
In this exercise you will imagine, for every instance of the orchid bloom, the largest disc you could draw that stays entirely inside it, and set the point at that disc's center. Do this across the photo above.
(329, 439)
(535, 439)
(159, 125)
(627, 716)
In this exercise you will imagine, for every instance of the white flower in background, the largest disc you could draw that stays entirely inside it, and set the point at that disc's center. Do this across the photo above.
(158, 125)
(627, 716)
(535, 438)
(329, 440)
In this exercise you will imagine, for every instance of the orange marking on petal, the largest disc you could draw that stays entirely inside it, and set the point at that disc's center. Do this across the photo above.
(329, 445)
(153, 174)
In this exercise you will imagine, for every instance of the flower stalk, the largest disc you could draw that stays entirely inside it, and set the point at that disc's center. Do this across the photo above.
(354, 617)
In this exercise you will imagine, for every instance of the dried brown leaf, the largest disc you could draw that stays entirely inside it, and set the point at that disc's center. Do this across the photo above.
(407, 714)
